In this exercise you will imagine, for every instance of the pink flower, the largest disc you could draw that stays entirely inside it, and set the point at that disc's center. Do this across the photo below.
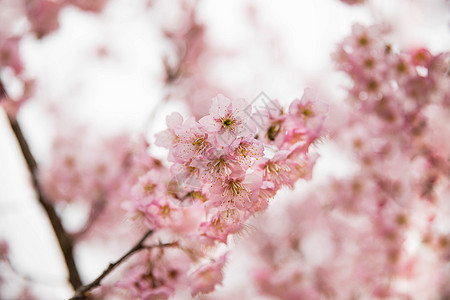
(205, 278)
(161, 213)
(169, 137)
(186, 178)
(421, 57)
(222, 224)
(189, 219)
(150, 185)
(245, 151)
(280, 170)
(139, 282)
(238, 191)
(193, 142)
(217, 166)
(308, 111)
(228, 120)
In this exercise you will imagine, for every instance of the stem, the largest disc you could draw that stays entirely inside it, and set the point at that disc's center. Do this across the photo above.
(82, 292)
(65, 243)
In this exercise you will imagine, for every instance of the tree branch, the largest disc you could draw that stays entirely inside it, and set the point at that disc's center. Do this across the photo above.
(83, 291)
(65, 243)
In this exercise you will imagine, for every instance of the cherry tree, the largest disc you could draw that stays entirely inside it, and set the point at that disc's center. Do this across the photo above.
(235, 184)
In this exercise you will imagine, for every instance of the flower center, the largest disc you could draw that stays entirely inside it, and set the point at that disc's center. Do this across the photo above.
(228, 122)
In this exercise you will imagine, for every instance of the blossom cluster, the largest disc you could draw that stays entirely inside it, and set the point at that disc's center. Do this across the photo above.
(220, 160)
(402, 100)
(221, 174)
(374, 233)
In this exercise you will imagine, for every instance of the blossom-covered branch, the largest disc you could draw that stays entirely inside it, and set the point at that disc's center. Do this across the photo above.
(83, 291)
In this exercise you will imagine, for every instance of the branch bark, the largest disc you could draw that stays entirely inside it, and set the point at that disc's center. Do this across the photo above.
(83, 291)
(65, 243)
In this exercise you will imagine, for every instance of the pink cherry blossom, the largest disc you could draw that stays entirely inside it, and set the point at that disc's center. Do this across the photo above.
(193, 142)
(228, 119)
(281, 169)
(222, 224)
(245, 151)
(309, 110)
(238, 191)
(205, 278)
(169, 138)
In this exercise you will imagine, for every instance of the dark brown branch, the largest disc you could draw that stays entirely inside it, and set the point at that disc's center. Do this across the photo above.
(83, 292)
(65, 243)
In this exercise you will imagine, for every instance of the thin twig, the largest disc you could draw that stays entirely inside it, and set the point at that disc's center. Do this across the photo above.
(82, 292)
(65, 243)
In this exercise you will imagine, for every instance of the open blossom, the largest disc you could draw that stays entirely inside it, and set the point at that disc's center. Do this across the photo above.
(238, 191)
(169, 137)
(162, 213)
(193, 142)
(217, 166)
(205, 278)
(139, 285)
(228, 119)
(222, 224)
(245, 151)
(284, 169)
(156, 274)
(150, 185)
(309, 110)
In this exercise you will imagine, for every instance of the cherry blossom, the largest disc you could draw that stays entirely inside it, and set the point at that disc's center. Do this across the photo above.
(228, 119)
(205, 278)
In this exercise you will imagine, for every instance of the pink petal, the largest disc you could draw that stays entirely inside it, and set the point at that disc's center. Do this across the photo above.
(241, 107)
(174, 119)
(164, 139)
(210, 124)
(220, 106)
